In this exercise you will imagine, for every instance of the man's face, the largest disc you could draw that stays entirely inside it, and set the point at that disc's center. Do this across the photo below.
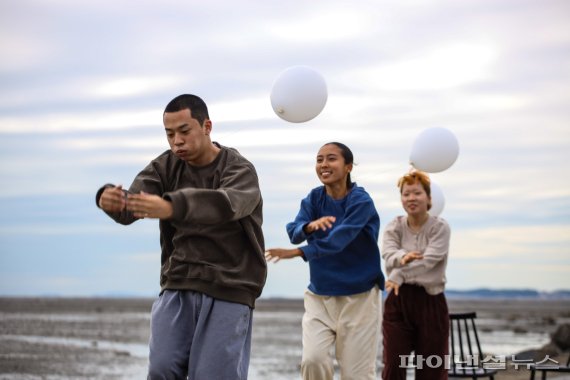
(187, 138)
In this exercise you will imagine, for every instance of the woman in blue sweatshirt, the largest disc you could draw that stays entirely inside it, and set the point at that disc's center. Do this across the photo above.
(339, 225)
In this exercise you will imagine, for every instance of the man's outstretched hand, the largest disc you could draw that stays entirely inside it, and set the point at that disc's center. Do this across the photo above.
(113, 199)
(145, 205)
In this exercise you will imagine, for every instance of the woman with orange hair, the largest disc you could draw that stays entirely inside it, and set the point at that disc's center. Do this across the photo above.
(415, 248)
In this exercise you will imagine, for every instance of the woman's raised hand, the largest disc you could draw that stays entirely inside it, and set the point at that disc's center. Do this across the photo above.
(323, 223)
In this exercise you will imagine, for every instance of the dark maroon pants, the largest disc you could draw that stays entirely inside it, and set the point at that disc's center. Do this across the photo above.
(415, 321)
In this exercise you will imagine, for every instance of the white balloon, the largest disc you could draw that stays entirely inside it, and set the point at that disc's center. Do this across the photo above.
(434, 150)
(437, 200)
(299, 94)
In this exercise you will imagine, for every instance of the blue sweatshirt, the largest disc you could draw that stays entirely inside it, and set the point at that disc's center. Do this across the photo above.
(345, 259)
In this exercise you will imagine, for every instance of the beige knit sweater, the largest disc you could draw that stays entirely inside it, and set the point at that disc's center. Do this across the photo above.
(432, 241)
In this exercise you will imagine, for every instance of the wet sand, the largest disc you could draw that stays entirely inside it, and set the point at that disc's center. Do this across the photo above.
(97, 338)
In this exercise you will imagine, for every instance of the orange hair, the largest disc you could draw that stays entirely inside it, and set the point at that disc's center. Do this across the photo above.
(413, 177)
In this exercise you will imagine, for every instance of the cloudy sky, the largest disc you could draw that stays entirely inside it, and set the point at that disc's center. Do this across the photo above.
(83, 85)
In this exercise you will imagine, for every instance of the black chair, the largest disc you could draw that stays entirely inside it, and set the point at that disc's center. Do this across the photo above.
(465, 348)
(545, 368)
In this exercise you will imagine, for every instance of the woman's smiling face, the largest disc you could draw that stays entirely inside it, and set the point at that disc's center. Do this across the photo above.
(330, 166)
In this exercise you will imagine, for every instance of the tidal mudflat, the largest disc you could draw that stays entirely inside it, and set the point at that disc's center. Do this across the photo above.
(106, 338)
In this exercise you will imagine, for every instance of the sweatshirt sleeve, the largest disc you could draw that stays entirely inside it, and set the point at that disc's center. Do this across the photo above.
(357, 216)
(392, 251)
(237, 196)
(295, 229)
(434, 253)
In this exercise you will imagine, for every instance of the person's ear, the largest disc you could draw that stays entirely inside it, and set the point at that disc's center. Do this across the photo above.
(207, 127)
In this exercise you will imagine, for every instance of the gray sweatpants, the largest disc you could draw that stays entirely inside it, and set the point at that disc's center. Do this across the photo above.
(198, 336)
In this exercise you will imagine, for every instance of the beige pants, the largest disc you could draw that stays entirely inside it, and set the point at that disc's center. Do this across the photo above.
(350, 324)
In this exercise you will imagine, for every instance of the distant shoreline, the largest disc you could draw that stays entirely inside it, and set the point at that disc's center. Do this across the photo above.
(481, 293)
(121, 303)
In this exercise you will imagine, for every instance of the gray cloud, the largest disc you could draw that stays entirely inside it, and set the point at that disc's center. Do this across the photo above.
(83, 84)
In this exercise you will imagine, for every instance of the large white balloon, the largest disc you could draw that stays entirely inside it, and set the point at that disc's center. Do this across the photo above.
(299, 94)
(437, 200)
(434, 150)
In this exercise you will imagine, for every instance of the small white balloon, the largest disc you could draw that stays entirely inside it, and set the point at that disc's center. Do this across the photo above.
(434, 150)
(299, 94)
(437, 200)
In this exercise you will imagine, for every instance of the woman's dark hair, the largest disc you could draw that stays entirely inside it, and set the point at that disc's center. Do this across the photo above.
(348, 159)
(197, 107)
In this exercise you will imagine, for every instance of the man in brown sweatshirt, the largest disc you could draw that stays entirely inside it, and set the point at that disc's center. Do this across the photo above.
(208, 202)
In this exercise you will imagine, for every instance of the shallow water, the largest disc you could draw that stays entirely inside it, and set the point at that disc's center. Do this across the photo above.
(107, 339)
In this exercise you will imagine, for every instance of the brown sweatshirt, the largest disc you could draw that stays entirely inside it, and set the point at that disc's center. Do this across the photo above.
(213, 243)
(432, 241)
